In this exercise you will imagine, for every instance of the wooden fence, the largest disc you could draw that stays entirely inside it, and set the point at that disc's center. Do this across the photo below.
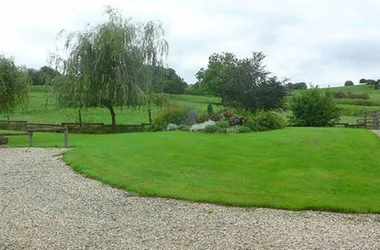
(82, 128)
(371, 119)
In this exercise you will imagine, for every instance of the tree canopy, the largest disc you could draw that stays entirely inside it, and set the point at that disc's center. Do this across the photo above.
(167, 81)
(371, 82)
(111, 64)
(349, 83)
(42, 76)
(14, 85)
(242, 83)
(296, 86)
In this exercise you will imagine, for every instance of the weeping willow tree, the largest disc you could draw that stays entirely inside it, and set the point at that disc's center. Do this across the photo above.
(14, 86)
(110, 65)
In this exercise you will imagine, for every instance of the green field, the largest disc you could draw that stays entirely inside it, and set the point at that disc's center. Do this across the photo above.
(353, 109)
(43, 109)
(296, 168)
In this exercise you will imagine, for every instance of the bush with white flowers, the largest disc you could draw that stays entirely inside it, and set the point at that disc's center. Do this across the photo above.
(201, 126)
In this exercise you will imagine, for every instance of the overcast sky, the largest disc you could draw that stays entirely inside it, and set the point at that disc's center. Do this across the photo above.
(321, 41)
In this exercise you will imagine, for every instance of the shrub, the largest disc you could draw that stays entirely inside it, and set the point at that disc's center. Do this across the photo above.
(237, 120)
(184, 127)
(265, 121)
(349, 95)
(314, 108)
(172, 127)
(174, 114)
(228, 114)
(201, 126)
(339, 94)
(223, 124)
(363, 96)
(211, 129)
(232, 130)
(242, 129)
(210, 110)
(215, 117)
(203, 118)
(191, 116)
(349, 83)
(158, 124)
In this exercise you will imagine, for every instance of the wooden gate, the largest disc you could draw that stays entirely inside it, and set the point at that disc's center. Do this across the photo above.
(371, 119)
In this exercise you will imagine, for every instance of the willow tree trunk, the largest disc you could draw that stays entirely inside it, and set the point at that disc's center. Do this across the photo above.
(80, 117)
(113, 117)
(46, 102)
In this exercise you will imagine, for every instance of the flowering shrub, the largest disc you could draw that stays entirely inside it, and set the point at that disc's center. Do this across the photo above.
(201, 126)
(172, 127)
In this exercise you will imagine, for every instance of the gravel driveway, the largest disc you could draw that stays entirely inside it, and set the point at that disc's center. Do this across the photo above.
(45, 205)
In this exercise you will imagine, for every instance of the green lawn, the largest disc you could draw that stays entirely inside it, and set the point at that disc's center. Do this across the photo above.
(333, 169)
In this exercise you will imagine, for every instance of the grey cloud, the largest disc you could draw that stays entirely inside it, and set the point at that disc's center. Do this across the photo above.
(357, 52)
(322, 41)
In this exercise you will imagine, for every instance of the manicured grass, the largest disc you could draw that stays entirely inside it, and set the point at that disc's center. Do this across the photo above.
(296, 168)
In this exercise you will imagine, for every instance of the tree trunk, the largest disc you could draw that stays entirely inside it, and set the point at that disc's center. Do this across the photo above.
(80, 117)
(46, 102)
(113, 116)
(8, 115)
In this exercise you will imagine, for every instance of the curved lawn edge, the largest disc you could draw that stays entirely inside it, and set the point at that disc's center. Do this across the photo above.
(304, 200)
(137, 193)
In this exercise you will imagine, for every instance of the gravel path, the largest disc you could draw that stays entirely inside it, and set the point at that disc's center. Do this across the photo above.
(45, 205)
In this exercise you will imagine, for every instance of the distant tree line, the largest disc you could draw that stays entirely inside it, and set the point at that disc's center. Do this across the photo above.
(370, 82)
(167, 81)
(296, 86)
(42, 75)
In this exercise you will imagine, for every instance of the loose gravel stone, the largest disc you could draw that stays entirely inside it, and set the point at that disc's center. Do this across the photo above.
(44, 204)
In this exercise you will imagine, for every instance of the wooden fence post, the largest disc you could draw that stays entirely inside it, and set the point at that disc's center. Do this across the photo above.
(66, 137)
(150, 116)
(30, 139)
(375, 120)
(80, 117)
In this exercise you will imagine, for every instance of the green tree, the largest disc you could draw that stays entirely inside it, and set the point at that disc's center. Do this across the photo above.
(216, 74)
(167, 81)
(363, 81)
(110, 65)
(349, 83)
(296, 86)
(314, 108)
(42, 76)
(243, 83)
(35, 77)
(14, 85)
